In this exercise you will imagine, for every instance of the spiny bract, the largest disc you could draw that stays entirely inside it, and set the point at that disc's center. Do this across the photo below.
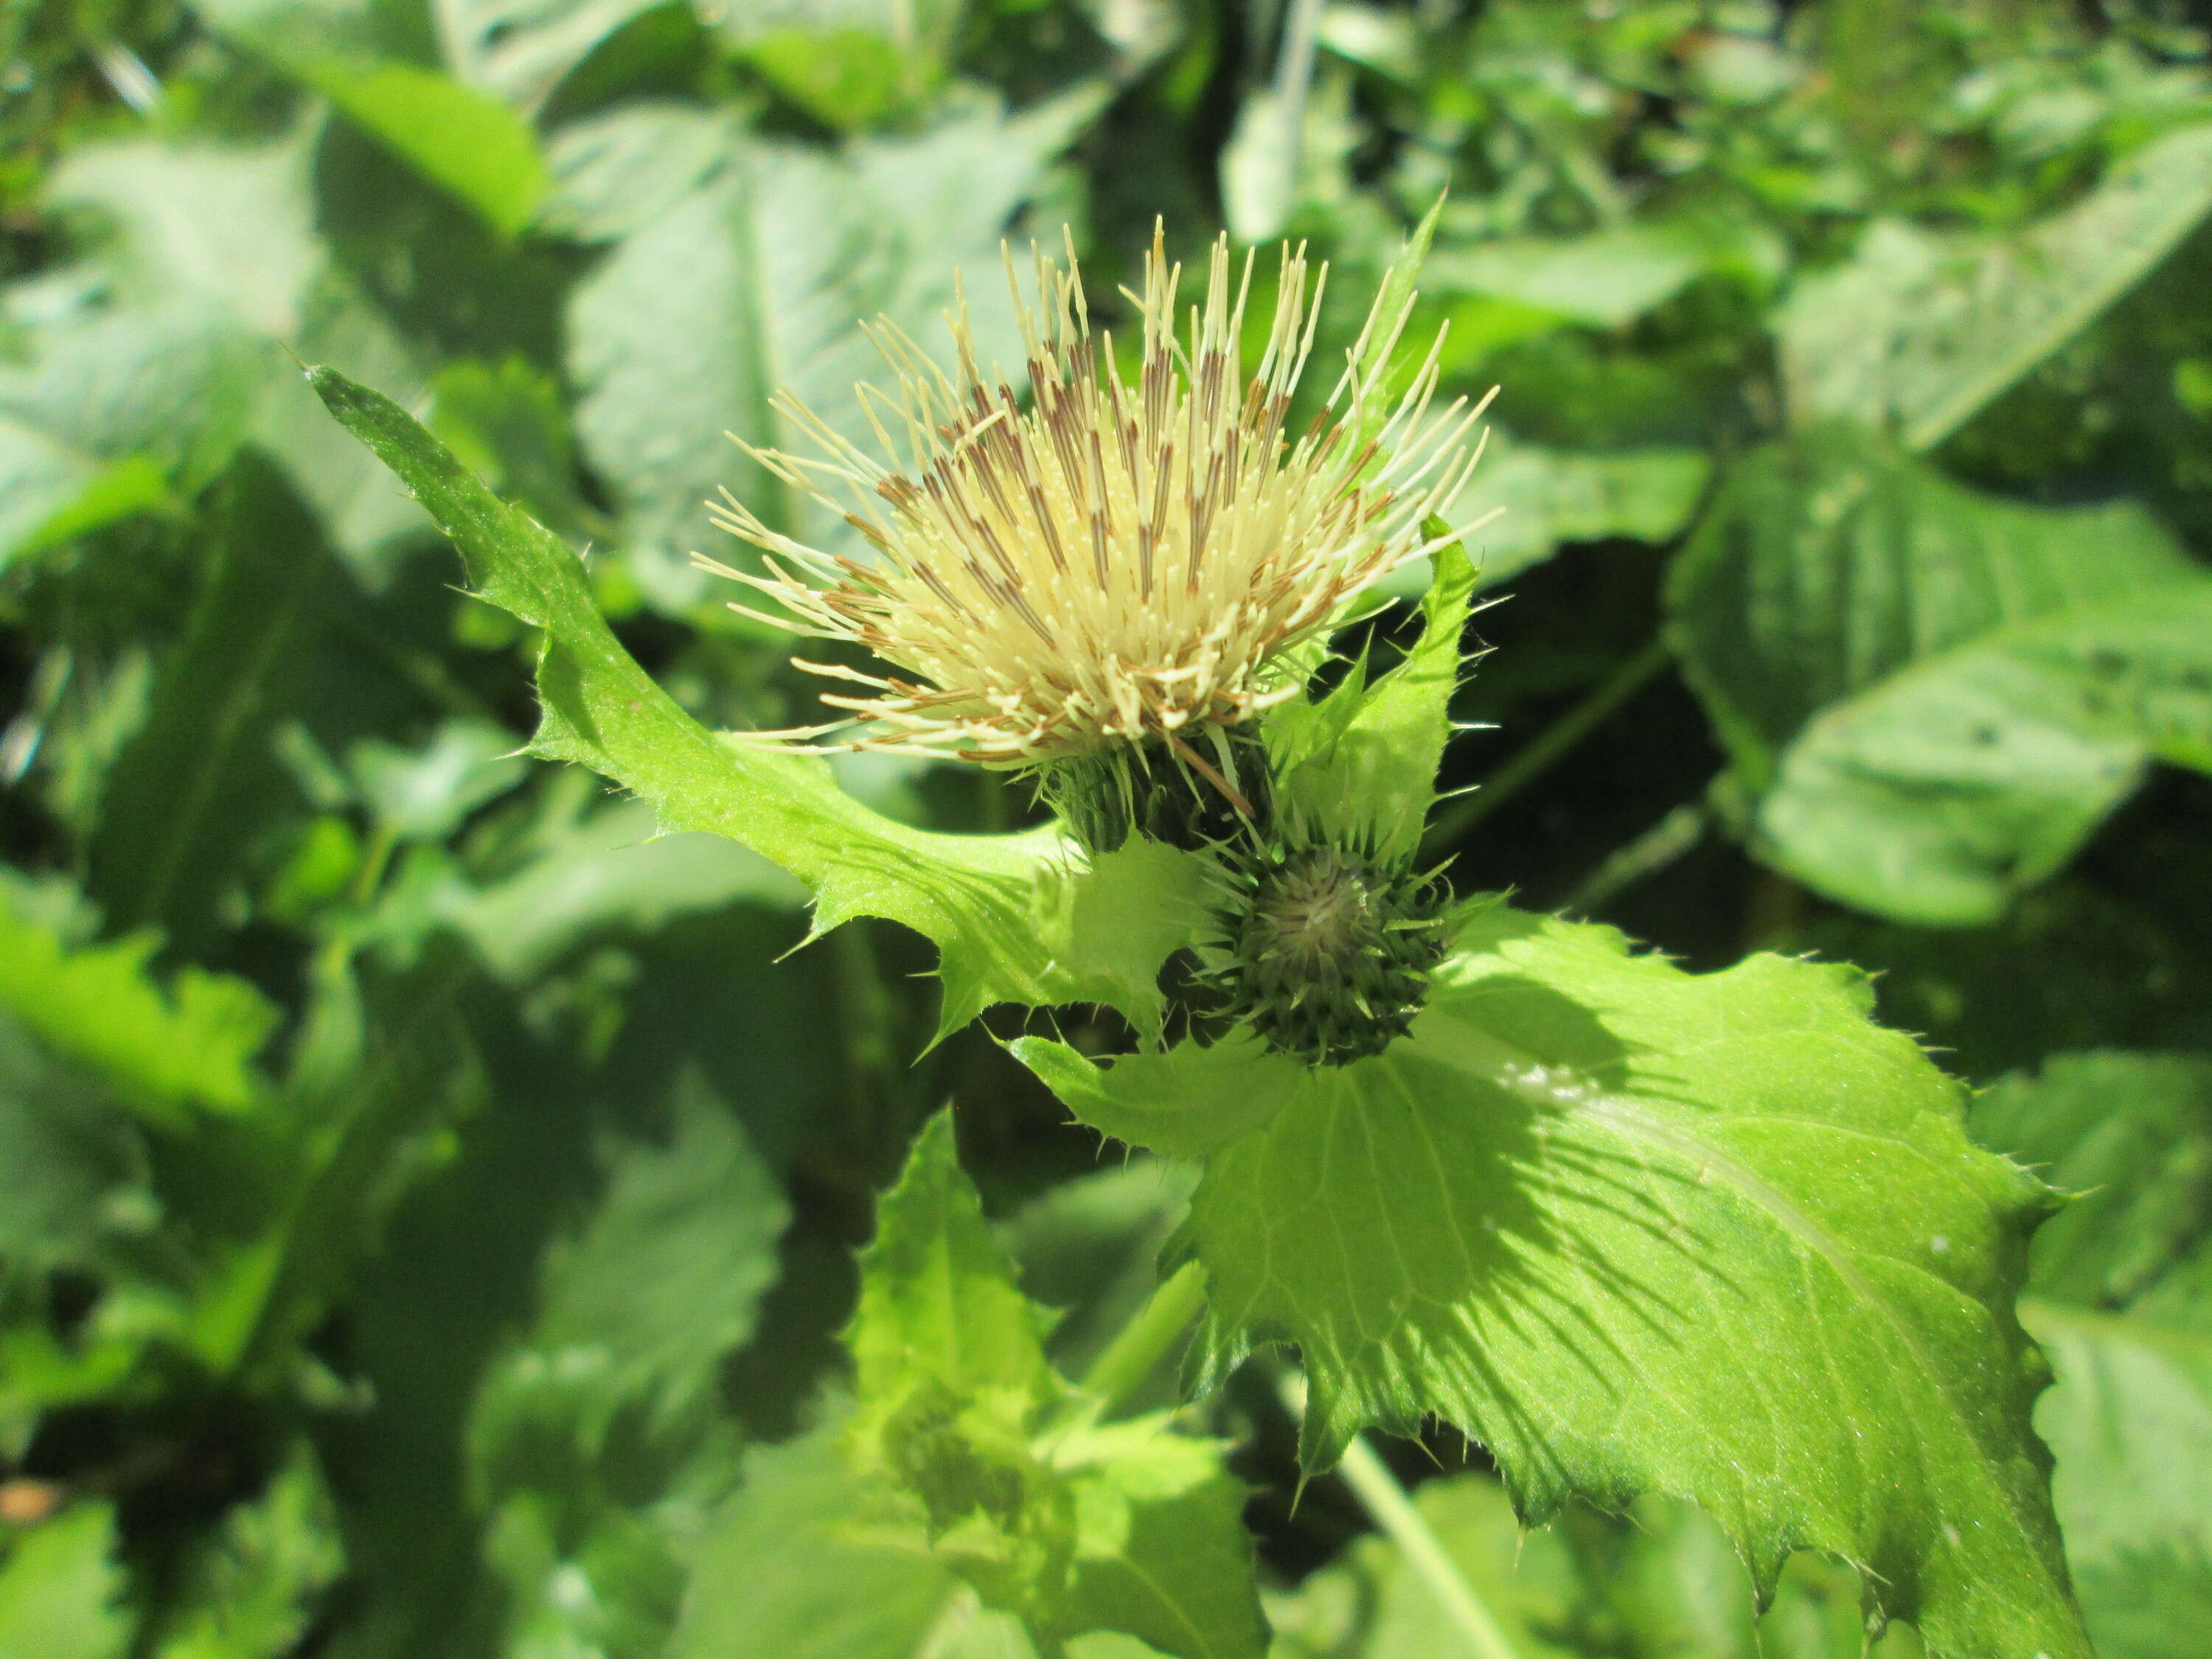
(1329, 953)
(1115, 567)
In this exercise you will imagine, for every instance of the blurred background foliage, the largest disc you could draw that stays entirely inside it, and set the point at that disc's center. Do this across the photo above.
(427, 1201)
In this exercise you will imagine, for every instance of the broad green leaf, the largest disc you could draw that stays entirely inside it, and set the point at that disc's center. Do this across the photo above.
(1932, 696)
(966, 1430)
(781, 1574)
(615, 1591)
(465, 141)
(59, 1593)
(1556, 496)
(165, 1052)
(1641, 1230)
(638, 1310)
(2130, 1421)
(229, 224)
(1607, 278)
(1917, 331)
(1016, 917)
(616, 173)
(758, 278)
(113, 402)
(2131, 1134)
(251, 1587)
(1940, 795)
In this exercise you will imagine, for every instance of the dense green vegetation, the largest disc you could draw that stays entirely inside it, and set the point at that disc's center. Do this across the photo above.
(442, 1215)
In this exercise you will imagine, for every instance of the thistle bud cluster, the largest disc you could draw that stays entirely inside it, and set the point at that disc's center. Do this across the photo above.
(1329, 951)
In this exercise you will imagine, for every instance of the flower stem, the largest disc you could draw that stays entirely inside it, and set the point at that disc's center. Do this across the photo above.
(1393, 1511)
(1552, 746)
(1141, 1343)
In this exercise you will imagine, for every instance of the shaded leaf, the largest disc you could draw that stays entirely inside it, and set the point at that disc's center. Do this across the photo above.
(465, 143)
(251, 1587)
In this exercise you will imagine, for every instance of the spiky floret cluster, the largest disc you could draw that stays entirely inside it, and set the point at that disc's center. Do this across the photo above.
(1115, 566)
(1329, 953)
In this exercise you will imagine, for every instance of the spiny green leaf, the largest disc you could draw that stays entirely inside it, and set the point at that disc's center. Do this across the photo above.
(1636, 1230)
(939, 1309)
(1018, 917)
(979, 1455)
(1368, 777)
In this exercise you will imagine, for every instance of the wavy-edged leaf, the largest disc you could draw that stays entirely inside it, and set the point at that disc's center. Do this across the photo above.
(1636, 1230)
(966, 1434)
(1933, 695)
(166, 1051)
(1918, 332)
(1017, 918)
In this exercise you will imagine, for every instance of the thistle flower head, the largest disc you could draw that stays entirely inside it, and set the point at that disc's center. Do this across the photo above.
(1118, 563)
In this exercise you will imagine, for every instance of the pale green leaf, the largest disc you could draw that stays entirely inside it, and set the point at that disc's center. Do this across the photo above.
(74, 1175)
(465, 141)
(1918, 331)
(520, 50)
(757, 278)
(229, 224)
(166, 1051)
(1933, 695)
(611, 870)
(940, 1312)
(427, 793)
(2131, 1134)
(1640, 1230)
(2130, 1421)
(1606, 278)
(1187, 1104)
(251, 1586)
(59, 1593)
(782, 1574)
(1365, 776)
(1018, 917)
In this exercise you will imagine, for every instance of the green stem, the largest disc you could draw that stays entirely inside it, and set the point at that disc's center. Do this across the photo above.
(1389, 1507)
(1141, 1343)
(1603, 700)
(1648, 853)
(1383, 1499)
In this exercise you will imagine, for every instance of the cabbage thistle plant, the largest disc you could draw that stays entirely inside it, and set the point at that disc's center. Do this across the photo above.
(1634, 1230)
